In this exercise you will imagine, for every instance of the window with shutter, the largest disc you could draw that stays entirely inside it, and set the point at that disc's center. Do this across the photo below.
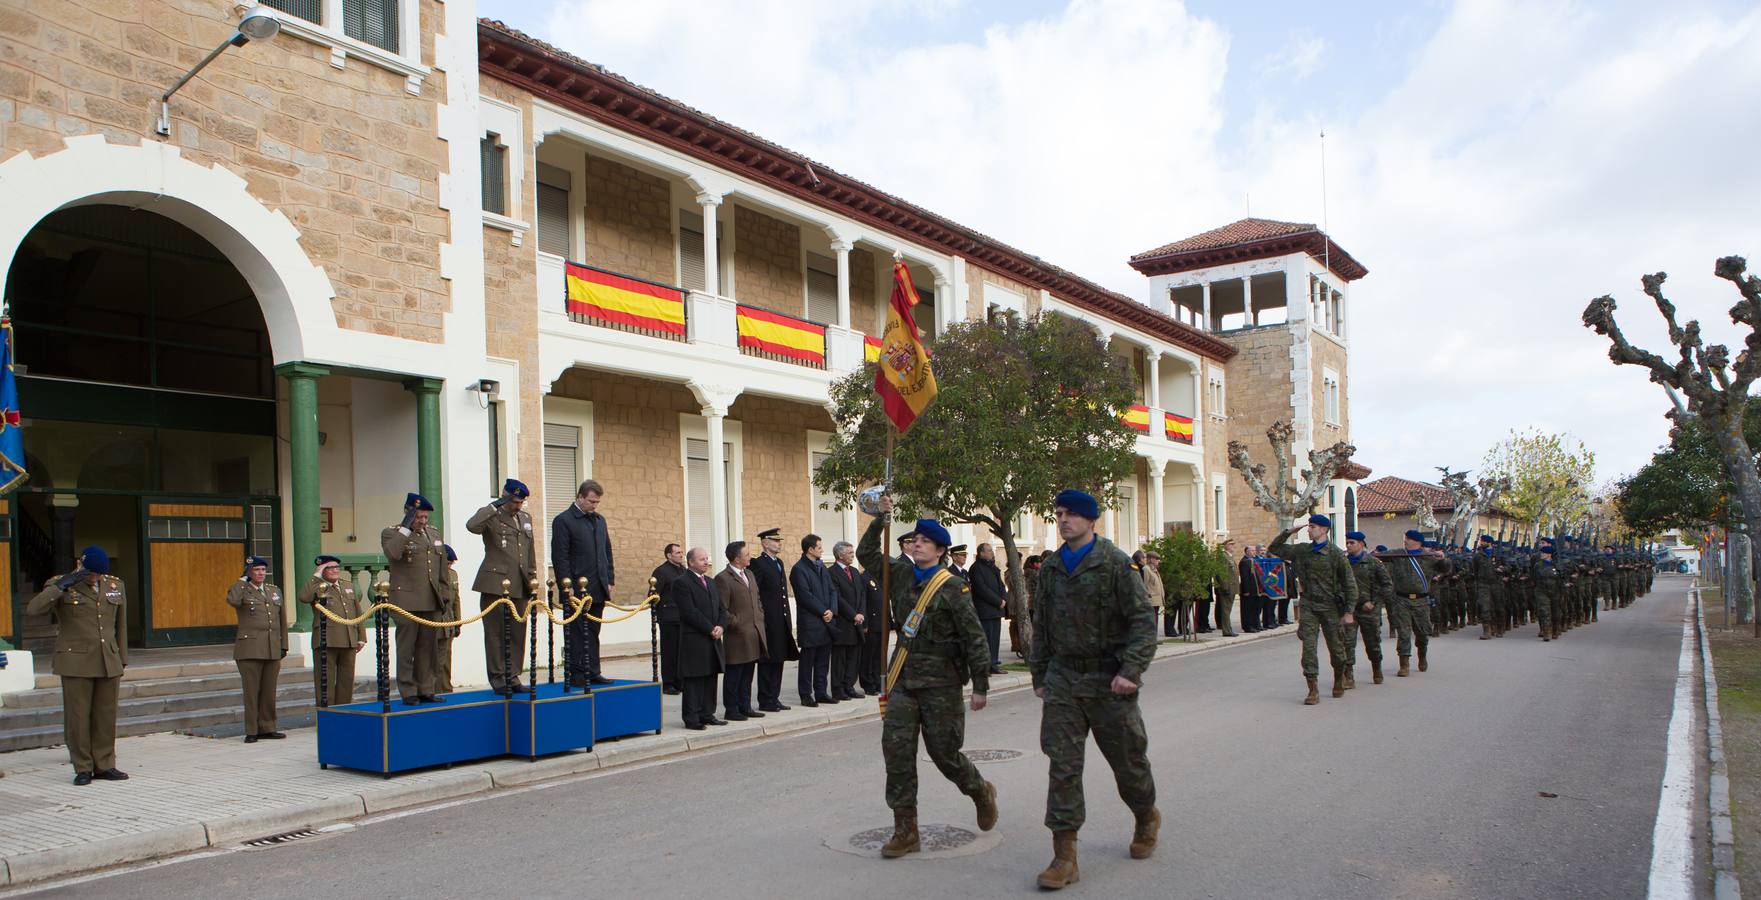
(562, 466)
(827, 523)
(371, 21)
(699, 513)
(553, 210)
(310, 10)
(822, 289)
(494, 158)
(691, 276)
(925, 313)
(1127, 518)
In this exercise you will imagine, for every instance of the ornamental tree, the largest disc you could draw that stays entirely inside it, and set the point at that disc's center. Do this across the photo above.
(1024, 408)
(1284, 495)
(1705, 386)
(1548, 474)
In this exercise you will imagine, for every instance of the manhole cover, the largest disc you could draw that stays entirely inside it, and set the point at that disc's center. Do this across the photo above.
(939, 841)
(986, 756)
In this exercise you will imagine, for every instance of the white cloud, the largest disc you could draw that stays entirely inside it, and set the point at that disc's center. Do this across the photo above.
(1297, 61)
(1533, 156)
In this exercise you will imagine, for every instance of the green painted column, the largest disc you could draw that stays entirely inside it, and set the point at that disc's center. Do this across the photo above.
(302, 431)
(428, 480)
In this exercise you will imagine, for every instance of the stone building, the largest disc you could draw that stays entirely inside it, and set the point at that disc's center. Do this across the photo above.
(345, 272)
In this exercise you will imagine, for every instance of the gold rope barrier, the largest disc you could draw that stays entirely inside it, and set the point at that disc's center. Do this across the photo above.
(513, 609)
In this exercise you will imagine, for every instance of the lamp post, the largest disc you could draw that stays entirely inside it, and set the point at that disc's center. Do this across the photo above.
(259, 23)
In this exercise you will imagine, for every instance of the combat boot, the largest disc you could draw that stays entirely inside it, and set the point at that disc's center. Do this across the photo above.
(1423, 666)
(1338, 681)
(1376, 671)
(1404, 667)
(1062, 870)
(1314, 696)
(1143, 839)
(905, 838)
(1485, 631)
(986, 802)
(1350, 677)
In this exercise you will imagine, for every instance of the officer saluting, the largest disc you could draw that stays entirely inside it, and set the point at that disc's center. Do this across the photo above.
(260, 646)
(510, 562)
(416, 560)
(91, 648)
(327, 587)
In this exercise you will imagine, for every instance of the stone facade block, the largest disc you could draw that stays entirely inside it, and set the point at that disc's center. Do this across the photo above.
(767, 263)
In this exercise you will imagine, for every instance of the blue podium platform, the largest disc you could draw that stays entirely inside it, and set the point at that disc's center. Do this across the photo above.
(479, 724)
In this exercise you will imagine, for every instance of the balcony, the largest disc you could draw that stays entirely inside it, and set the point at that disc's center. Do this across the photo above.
(1174, 428)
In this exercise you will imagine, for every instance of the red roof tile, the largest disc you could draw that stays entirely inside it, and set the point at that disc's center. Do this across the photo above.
(1393, 494)
(1248, 239)
(1239, 232)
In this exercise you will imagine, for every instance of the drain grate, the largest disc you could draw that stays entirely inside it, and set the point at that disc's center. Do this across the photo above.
(983, 756)
(279, 839)
(935, 838)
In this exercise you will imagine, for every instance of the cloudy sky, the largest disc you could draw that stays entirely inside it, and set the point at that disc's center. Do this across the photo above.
(1494, 164)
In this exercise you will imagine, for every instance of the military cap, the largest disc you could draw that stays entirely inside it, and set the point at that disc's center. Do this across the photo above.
(775, 534)
(1381, 548)
(450, 555)
(418, 502)
(513, 487)
(256, 561)
(325, 560)
(1430, 545)
(1323, 521)
(906, 536)
(1079, 503)
(1487, 539)
(1356, 536)
(930, 528)
(94, 559)
(957, 548)
(1413, 534)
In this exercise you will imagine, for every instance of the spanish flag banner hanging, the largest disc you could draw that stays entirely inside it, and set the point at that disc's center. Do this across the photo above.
(1179, 428)
(785, 336)
(871, 349)
(903, 378)
(1138, 417)
(623, 300)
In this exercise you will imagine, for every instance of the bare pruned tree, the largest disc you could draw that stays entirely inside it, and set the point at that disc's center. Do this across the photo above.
(1290, 493)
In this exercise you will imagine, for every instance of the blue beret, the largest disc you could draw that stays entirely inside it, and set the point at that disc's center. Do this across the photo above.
(450, 555)
(1079, 503)
(1381, 548)
(1356, 536)
(1413, 534)
(1323, 521)
(930, 528)
(516, 488)
(418, 502)
(95, 560)
(1430, 545)
(256, 561)
(326, 560)
(1487, 539)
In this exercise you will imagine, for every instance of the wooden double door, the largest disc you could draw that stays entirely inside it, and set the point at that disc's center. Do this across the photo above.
(193, 552)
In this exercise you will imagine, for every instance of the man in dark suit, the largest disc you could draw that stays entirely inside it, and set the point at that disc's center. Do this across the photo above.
(1252, 616)
(990, 600)
(668, 616)
(850, 623)
(779, 636)
(815, 608)
(580, 552)
(957, 560)
(871, 664)
(701, 619)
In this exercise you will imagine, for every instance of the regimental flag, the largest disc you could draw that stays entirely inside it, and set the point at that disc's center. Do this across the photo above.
(782, 335)
(903, 378)
(871, 349)
(1270, 572)
(12, 473)
(623, 300)
(1178, 428)
(1138, 417)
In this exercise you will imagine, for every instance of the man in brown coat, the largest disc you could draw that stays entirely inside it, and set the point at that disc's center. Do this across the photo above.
(260, 646)
(743, 637)
(330, 589)
(510, 562)
(91, 648)
(415, 557)
(1228, 589)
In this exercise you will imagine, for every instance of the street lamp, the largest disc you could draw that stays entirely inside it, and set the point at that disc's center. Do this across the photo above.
(259, 23)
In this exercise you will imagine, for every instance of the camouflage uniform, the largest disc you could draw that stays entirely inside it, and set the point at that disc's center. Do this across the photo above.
(1414, 581)
(1487, 584)
(927, 698)
(1328, 592)
(1088, 626)
(1375, 588)
(1548, 602)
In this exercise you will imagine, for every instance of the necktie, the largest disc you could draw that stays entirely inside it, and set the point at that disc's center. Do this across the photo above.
(703, 581)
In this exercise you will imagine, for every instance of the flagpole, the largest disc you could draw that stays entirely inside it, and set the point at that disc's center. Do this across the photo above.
(887, 571)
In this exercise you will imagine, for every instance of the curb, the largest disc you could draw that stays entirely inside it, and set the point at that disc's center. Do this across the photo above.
(221, 832)
(1725, 885)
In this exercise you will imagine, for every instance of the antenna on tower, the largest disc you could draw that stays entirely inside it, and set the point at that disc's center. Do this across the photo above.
(1326, 235)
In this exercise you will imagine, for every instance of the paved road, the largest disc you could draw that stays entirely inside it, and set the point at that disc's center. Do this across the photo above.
(1421, 787)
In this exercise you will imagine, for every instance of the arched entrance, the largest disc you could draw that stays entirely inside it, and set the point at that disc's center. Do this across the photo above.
(146, 376)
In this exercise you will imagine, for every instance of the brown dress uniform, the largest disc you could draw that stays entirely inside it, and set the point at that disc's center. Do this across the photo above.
(90, 650)
(416, 560)
(449, 612)
(339, 640)
(259, 648)
(508, 554)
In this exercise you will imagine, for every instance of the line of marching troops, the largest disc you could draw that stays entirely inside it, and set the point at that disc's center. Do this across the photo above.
(1428, 590)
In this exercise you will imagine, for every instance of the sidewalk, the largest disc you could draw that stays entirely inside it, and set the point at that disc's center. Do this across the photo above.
(190, 793)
